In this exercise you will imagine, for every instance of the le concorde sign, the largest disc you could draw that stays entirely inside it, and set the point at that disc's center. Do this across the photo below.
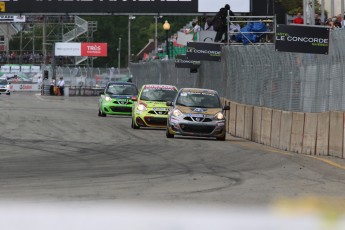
(100, 6)
(302, 39)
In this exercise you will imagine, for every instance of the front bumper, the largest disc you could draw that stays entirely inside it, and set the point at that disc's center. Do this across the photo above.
(115, 108)
(152, 118)
(208, 127)
(4, 90)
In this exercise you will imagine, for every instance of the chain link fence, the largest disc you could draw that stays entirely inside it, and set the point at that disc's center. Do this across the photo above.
(258, 75)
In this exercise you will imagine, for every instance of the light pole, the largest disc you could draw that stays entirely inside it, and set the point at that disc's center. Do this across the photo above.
(156, 32)
(166, 27)
(119, 55)
(129, 38)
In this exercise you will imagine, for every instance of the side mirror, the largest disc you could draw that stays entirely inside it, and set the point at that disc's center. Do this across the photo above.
(169, 103)
(226, 107)
(134, 98)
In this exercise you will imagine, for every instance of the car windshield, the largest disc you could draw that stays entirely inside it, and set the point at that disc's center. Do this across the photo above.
(3, 82)
(200, 100)
(158, 94)
(122, 89)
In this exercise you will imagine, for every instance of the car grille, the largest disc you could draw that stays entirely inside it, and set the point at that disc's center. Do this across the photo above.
(202, 129)
(158, 112)
(123, 102)
(156, 121)
(2, 90)
(121, 109)
(195, 119)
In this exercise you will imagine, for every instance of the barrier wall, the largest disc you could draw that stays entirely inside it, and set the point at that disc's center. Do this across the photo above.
(306, 133)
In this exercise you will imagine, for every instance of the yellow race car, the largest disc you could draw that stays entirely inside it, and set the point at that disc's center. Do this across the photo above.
(150, 109)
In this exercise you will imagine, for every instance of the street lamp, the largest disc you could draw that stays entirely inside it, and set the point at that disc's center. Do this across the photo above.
(166, 27)
(129, 38)
(119, 55)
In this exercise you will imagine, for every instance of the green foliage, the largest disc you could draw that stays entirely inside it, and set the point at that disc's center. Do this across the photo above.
(295, 6)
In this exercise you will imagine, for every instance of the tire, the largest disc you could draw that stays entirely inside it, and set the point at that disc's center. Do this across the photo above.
(222, 138)
(101, 114)
(168, 134)
(134, 126)
(8, 93)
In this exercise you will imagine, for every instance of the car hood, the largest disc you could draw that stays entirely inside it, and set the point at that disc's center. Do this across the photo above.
(121, 96)
(205, 111)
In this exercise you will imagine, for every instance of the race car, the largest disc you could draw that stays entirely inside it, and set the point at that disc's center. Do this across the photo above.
(150, 109)
(196, 112)
(4, 86)
(117, 99)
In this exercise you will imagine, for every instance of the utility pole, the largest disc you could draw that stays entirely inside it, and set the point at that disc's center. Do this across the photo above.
(119, 55)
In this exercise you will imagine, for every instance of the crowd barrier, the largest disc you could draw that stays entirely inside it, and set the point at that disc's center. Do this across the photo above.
(73, 91)
(305, 133)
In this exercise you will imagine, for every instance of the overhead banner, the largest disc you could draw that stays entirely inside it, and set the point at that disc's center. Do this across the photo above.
(81, 49)
(181, 61)
(208, 6)
(202, 51)
(302, 39)
(100, 6)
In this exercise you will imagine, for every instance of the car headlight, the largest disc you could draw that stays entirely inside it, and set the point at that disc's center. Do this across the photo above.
(107, 98)
(141, 107)
(219, 116)
(177, 113)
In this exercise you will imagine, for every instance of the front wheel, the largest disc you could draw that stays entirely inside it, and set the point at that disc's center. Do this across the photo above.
(168, 134)
(134, 126)
(221, 138)
(101, 114)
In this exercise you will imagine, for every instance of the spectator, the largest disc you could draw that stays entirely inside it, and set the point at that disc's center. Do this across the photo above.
(61, 85)
(337, 21)
(317, 20)
(220, 24)
(298, 19)
(195, 30)
(208, 24)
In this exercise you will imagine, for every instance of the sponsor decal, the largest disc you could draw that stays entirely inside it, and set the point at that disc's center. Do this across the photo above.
(302, 39)
(164, 87)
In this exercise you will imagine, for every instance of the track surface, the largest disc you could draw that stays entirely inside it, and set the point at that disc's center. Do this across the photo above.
(58, 149)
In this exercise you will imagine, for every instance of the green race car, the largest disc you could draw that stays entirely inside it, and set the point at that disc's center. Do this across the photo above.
(150, 109)
(117, 99)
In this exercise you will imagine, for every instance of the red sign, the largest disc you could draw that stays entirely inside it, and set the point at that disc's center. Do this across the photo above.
(94, 49)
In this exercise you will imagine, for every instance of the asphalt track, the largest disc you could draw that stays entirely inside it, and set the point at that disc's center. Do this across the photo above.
(56, 149)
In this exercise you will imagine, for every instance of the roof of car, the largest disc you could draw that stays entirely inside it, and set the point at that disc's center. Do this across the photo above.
(198, 90)
(120, 83)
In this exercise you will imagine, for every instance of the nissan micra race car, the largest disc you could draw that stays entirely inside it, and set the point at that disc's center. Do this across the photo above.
(4, 86)
(117, 99)
(196, 112)
(150, 109)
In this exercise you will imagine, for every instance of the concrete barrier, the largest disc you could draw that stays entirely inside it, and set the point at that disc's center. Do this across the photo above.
(309, 134)
(322, 135)
(227, 113)
(297, 132)
(232, 124)
(248, 122)
(240, 120)
(275, 133)
(257, 115)
(336, 133)
(285, 130)
(266, 126)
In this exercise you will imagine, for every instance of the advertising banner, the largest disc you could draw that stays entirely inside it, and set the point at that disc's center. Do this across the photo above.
(208, 6)
(181, 61)
(25, 69)
(94, 49)
(202, 51)
(12, 18)
(101, 6)
(15, 68)
(67, 49)
(5, 68)
(81, 49)
(302, 39)
(207, 36)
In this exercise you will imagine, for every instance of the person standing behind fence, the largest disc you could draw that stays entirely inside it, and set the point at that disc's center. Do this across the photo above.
(61, 85)
(220, 24)
(195, 30)
(298, 19)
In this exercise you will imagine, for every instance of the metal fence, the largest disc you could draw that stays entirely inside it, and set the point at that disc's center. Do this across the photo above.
(258, 75)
